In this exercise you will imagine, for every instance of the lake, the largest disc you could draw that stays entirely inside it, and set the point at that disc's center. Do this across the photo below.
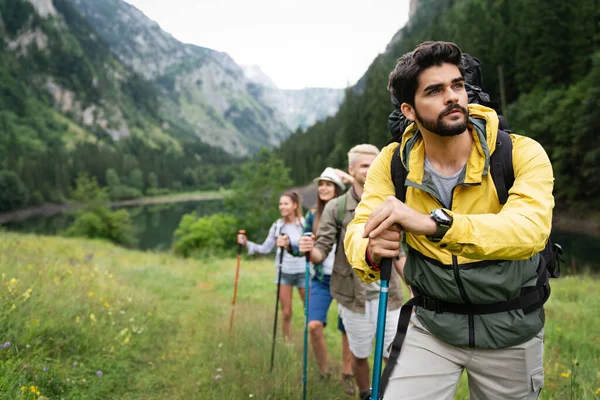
(156, 223)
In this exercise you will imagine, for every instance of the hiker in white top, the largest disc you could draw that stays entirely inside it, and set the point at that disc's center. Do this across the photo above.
(290, 225)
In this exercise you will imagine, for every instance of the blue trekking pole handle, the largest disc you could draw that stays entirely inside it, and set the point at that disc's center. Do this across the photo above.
(385, 274)
(306, 299)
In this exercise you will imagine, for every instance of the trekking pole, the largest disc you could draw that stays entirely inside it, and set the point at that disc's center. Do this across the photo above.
(306, 300)
(385, 274)
(276, 306)
(237, 273)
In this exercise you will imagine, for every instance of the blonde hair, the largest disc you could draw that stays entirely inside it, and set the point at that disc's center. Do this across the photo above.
(359, 150)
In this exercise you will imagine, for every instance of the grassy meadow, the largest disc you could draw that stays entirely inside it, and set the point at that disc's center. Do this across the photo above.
(82, 319)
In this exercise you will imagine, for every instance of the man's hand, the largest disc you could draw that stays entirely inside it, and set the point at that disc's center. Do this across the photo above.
(393, 211)
(283, 241)
(385, 245)
(306, 244)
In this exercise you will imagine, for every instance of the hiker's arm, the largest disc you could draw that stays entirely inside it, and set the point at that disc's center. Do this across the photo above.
(267, 245)
(326, 234)
(522, 227)
(378, 187)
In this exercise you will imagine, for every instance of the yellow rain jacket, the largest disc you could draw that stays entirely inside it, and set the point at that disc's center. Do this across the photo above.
(490, 254)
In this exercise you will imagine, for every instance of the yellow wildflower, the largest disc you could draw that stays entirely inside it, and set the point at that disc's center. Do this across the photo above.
(27, 293)
(11, 285)
(558, 330)
(106, 304)
(23, 388)
(566, 374)
(91, 294)
(29, 266)
(93, 318)
(597, 391)
(32, 389)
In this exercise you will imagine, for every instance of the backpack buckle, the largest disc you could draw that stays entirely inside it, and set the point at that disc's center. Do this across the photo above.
(431, 304)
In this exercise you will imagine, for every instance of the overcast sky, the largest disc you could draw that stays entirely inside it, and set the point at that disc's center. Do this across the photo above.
(297, 43)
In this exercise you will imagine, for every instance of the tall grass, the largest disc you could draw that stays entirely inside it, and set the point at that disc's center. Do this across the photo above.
(82, 319)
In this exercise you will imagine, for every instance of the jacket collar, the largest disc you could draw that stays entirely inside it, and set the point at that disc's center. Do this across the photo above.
(483, 125)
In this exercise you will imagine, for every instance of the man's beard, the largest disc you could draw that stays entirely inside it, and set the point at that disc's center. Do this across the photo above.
(441, 127)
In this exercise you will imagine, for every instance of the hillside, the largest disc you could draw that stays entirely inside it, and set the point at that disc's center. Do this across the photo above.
(549, 55)
(68, 105)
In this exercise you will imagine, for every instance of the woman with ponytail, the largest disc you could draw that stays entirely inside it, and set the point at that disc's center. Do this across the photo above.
(290, 225)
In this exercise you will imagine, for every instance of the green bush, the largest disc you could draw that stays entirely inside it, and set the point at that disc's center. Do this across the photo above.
(13, 193)
(122, 192)
(96, 220)
(102, 223)
(205, 236)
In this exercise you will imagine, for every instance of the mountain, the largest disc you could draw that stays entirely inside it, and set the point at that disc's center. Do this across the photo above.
(202, 89)
(300, 108)
(199, 89)
(69, 106)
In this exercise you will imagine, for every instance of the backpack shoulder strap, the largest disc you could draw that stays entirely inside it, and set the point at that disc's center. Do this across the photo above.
(341, 210)
(501, 166)
(399, 174)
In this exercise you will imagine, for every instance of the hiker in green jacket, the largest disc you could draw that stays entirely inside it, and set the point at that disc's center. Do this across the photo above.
(473, 263)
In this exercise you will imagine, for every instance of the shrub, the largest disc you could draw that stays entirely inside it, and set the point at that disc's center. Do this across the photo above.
(96, 220)
(205, 236)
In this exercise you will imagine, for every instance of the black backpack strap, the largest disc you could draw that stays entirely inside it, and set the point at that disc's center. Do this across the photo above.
(403, 321)
(503, 124)
(501, 166)
(399, 174)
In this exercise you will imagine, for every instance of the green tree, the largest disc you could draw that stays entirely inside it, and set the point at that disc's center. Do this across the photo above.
(112, 178)
(136, 179)
(255, 193)
(13, 193)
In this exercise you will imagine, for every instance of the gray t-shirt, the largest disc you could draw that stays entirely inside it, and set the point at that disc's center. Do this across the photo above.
(444, 184)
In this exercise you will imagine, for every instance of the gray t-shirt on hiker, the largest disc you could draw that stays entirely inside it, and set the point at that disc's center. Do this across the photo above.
(444, 184)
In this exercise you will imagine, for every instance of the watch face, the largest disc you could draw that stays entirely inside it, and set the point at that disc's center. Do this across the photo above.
(441, 216)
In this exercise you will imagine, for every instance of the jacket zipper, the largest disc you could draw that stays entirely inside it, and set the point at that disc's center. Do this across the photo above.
(461, 288)
(466, 299)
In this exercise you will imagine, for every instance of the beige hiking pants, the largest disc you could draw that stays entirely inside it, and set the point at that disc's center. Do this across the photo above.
(430, 369)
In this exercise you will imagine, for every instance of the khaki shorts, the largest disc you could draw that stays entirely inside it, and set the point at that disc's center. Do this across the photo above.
(429, 368)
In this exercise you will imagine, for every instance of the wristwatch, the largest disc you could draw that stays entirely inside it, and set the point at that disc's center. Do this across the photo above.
(443, 222)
